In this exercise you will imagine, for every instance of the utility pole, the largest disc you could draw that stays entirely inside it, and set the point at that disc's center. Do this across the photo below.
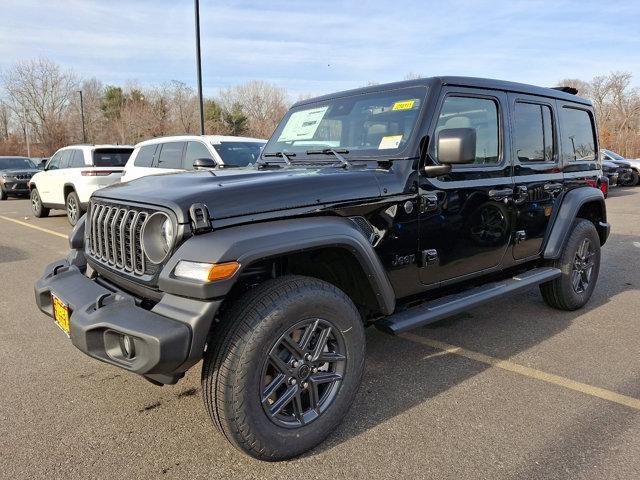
(196, 4)
(84, 135)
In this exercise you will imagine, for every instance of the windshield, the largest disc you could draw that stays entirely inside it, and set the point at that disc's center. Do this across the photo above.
(239, 154)
(111, 157)
(15, 163)
(365, 125)
(613, 155)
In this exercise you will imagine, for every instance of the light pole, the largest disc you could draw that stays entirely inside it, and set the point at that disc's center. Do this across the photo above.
(196, 5)
(84, 135)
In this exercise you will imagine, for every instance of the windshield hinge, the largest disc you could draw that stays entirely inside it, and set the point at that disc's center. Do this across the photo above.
(200, 221)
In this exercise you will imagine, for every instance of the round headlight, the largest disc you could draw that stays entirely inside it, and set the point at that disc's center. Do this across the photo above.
(158, 237)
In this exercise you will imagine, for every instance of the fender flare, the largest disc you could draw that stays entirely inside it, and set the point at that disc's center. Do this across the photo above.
(249, 243)
(562, 222)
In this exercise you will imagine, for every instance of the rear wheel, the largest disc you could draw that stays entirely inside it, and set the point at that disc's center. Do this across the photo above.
(285, 367)
(36, 205)
(580, 265)
(72, 204)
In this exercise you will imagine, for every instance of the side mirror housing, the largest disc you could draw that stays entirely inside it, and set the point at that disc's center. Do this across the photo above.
(204, 163)
(457, 146)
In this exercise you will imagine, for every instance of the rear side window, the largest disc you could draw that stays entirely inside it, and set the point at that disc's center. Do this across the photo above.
(171, 155)
(77, 160)
(481, 114)
(239, 154)
(578, 135)
(533, 132)
(145, 156)
(195, 150)
(106, 157)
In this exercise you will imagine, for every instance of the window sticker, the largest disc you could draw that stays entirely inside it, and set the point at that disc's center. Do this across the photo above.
(390, 141)
(302, 125)
(404, 105)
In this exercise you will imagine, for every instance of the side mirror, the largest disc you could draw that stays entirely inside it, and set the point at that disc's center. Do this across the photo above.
(204, 163)
(457, 146)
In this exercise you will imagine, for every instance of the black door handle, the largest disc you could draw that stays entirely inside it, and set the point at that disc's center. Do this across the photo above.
(500, 193)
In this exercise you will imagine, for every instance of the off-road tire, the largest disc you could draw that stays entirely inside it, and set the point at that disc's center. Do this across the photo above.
(560, 293)
(233, 364)
(72, 207)
(36, 205)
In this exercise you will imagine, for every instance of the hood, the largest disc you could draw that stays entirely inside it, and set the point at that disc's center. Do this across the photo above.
(20, 171)
(248, 191)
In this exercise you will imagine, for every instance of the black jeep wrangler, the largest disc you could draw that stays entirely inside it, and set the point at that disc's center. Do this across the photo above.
(393, 205)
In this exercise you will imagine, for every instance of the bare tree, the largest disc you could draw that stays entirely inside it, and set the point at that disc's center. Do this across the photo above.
(263, 103)
(39, 93)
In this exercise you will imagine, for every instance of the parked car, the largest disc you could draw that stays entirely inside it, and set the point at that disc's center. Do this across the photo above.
(611, 171)
(72, 174)
(628, 174)
(392, 205)
(189, 152)
(15, 173)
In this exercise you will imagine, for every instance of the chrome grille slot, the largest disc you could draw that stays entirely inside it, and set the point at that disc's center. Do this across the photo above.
(115, 237)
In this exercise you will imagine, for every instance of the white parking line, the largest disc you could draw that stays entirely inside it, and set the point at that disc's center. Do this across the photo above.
(25, 224)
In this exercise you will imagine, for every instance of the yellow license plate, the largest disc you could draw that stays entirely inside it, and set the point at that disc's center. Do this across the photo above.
(60, 314)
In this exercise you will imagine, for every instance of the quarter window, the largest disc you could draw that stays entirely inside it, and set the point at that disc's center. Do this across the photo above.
(171, 155)
(481, 114)
(578, 136)
(533, 132)
(144, 158)
(195, 150)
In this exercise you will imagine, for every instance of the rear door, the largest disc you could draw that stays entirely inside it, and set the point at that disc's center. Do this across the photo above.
(537, 176)
(466, 215)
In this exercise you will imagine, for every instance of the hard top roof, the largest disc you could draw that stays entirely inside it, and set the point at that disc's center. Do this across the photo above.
(457, 81)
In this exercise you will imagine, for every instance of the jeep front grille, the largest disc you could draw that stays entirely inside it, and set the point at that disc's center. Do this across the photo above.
(114, 237)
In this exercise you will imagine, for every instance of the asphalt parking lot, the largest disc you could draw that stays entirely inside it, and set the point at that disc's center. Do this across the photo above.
(511, 390)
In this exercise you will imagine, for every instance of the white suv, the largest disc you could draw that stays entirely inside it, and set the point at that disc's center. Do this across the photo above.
(186, 152)
(72, 174)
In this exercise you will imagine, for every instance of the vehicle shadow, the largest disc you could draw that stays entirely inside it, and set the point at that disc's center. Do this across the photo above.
(401, 374)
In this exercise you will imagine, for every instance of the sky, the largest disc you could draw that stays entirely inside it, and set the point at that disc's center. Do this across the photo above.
(322, 46)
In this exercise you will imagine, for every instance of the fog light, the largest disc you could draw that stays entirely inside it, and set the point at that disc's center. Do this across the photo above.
(127, 346)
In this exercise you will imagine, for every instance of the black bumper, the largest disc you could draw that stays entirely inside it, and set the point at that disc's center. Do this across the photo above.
(168, 339)
(16, 188)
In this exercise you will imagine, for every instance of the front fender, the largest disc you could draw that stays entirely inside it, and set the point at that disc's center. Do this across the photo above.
(250, 243)
(572, 202)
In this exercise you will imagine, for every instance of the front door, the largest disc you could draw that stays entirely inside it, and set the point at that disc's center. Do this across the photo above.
(537, 177)
(466, 217)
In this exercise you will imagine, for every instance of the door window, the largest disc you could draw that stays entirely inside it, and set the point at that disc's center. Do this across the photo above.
(54, 163)
(194, 151)
(533, 132)
(145, 155)
(481, 114)
(171, 155)
(65, 158)
(77, 160)
(578, 135)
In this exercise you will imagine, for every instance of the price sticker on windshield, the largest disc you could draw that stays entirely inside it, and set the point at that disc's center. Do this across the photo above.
(404, 105)
(390, 141)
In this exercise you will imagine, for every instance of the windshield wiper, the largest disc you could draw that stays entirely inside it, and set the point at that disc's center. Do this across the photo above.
(332, 151)
(284, 155)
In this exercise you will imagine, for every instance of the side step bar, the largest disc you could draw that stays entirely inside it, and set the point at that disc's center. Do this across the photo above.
(452, 304)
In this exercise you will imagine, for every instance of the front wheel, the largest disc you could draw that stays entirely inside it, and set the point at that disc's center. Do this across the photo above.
(38, 209)
(580, 265)
(3, 194)
(285, 367)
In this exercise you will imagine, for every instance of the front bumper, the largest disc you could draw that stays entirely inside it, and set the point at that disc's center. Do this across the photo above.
(16, 187)
(168, 339)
